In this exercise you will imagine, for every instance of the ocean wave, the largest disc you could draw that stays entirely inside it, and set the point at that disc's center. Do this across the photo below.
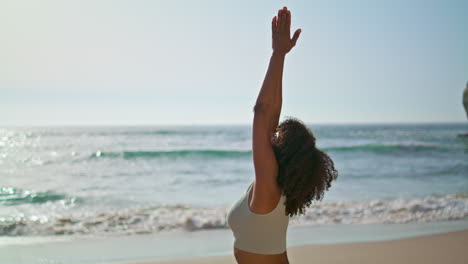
(173, 154)
(432, 208)
(393, 148)
(159, 218)
(228, 153)
(381, 149)
(15, 196)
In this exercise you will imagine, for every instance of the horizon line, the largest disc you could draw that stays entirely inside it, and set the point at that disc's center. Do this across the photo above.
(228, 124)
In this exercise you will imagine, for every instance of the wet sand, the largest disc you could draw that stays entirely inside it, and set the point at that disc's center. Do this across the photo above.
(444, 248)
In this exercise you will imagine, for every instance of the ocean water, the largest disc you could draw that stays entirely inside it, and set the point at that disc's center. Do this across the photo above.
(106, 181)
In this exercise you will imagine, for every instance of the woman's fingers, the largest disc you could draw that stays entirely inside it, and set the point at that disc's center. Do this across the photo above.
(278, 21)
(281, 24)
(283, 18)
(273, 25)
(295, 37)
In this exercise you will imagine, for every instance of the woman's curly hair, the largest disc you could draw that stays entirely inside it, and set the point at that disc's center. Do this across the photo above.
(305, 172)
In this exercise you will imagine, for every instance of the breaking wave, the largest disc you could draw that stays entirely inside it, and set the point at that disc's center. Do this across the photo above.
(209, 153)
(215, 153)
(393, 148)
(15, 196)
(169, 217)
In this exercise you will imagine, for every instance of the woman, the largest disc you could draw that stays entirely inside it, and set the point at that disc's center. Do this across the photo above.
(290, 171)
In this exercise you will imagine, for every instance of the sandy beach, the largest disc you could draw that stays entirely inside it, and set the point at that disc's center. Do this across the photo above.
(444, 248)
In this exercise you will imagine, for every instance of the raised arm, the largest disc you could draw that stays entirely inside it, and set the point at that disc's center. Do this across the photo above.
(268, 108)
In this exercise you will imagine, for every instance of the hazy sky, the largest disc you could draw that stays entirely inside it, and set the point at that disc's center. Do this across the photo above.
(203, 62)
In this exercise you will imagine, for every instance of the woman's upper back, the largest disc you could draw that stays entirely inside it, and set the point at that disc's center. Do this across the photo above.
(258, 233)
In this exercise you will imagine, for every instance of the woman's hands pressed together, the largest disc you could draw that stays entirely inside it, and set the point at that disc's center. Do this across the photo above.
(281, 32)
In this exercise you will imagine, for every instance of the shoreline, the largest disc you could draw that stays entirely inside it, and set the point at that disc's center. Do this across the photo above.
(213, 245)
(450, 247)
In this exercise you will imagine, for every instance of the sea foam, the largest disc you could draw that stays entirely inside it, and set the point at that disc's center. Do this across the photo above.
(181, 217)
